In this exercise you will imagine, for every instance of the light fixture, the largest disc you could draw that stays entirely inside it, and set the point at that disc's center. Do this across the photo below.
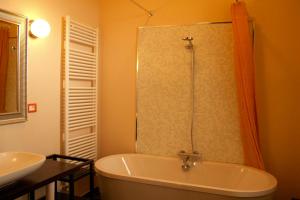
(39, 28)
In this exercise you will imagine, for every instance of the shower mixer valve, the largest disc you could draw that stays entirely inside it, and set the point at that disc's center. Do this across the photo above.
(189, 39)
(188, 159)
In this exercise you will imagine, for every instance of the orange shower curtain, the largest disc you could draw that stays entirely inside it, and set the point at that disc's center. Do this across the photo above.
(245, 68)
(4, 51)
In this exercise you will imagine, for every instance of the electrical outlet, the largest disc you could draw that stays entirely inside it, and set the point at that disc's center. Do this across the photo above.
(32, 107)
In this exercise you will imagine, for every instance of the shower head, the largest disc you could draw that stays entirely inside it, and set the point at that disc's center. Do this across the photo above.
(190, 44)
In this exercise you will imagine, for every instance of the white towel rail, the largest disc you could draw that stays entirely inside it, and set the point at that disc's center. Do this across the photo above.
(80, 89)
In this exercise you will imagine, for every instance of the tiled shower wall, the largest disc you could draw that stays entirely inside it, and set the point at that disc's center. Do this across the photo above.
(164, 97)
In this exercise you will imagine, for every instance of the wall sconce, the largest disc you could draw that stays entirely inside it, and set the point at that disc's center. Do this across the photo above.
(39, 28)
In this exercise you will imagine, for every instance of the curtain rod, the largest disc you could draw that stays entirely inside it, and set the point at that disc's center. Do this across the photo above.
(143, 8)
(150, 14)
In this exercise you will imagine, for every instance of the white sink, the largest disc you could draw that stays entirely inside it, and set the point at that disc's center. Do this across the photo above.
(15, 165)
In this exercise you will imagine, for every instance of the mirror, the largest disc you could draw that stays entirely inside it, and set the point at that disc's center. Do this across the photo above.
(13, 45)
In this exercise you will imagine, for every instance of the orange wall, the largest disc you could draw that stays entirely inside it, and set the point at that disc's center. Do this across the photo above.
(278, 85)
(278, 69)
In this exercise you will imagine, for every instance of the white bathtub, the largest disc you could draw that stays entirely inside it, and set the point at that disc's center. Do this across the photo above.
(146, 177)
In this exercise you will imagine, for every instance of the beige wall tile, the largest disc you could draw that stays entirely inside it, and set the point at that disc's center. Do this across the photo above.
(164, 92)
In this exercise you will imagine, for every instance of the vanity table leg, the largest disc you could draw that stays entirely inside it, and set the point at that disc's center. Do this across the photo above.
(92, 180)
(71, 188)
(55, 190)
(31, 196)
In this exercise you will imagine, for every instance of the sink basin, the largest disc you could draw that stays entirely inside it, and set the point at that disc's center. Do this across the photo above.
(15, 165)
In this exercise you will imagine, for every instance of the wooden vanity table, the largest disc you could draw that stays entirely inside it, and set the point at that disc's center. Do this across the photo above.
(54, 169)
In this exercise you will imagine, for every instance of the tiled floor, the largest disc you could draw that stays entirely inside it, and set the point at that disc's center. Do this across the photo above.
(96, 196)
(64, 196)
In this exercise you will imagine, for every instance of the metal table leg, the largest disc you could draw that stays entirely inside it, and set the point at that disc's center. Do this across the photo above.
(31, 196)
(92, 180)
(71, 188)
(55, 190)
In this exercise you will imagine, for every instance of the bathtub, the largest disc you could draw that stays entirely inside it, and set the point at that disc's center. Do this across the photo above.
(146, 177)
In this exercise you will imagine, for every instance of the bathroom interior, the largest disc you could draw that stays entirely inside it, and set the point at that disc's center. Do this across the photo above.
(194, 99)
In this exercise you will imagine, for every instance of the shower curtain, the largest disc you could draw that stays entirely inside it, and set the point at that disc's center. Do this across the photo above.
(4, 51)
(244, 68)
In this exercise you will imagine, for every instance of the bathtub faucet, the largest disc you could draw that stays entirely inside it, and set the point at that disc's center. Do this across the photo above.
(188, 159)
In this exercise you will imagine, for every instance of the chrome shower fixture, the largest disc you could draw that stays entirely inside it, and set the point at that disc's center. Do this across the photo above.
(189, 38)
(191, 49)
(190, 44)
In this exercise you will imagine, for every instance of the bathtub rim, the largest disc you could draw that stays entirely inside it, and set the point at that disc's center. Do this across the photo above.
(187, 186)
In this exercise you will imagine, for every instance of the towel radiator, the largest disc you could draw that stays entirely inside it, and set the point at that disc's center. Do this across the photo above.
(79, 89)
